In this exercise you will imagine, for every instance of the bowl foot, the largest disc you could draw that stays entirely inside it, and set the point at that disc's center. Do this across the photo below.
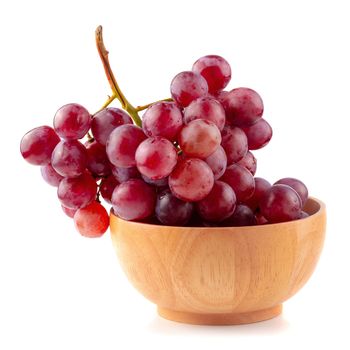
(220, 319)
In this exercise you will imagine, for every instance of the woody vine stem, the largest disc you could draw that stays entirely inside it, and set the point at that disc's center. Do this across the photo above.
(116, 91)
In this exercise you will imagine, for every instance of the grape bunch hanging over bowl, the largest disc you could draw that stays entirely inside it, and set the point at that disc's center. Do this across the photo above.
(187, 162)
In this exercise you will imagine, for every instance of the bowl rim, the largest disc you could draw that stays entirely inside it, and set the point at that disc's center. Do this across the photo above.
(320, 211)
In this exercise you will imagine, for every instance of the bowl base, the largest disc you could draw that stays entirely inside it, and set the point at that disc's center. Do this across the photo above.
(220, 319)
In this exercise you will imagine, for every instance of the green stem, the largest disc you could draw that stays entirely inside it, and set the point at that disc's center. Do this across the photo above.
(141, 108)
(117, 93)
(108, 102)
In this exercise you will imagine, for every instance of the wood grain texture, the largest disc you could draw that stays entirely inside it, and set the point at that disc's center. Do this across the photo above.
(220, 275)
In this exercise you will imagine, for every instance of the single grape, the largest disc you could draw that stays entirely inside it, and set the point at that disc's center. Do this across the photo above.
(241, 181)
(50, 175)
(172, 211)
(242, 216)
(249, 162)
(69, 158)
(162, 119)
(191, 180)
(258, 134)
(219, 204)
(243, 106)
(260, 219)
(122, 144)
(68, 211)
(216, 71)
(160, 183)
(105, 121)
(261, 187)
(134, 200)
(235, 143)
(280, 203)
(304, 215)
(199, 138)
(298, 186)
(107, 187)
(92, 221)
(37, 145)
(206, 108)
(217, 162)
(97, 160)
(186, 87)
(156, 157)
(125, 174)
(77, 192)
(72, 121)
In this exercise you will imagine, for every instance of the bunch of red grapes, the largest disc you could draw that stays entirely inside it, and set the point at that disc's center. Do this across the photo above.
(189, 164)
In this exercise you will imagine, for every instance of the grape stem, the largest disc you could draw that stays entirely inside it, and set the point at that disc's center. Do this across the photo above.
(141, 108)
(117, 93)
(89, 137)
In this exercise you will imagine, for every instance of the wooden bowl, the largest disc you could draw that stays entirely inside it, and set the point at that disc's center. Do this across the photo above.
(220, 275)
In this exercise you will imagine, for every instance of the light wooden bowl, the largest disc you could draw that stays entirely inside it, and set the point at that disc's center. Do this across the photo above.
(220, 275)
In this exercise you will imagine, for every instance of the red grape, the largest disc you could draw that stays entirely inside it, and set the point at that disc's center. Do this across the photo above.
(97, 161)
(243, 106)
(122, 144)
(72, 121)
(298, 186)
(235, 143)
(172, 211)
(134, 200)
(92, 221)
(191, 180)
(206, 108)
(69, 158)
(242, 216)
(50, 175)
(125, 174)
(37, 145)
(260, 219)
(68, 211)
(77, 192)
(280, 203)
(160, 183)
(105, 121)
(199, 138)
(258, 134)
(261, 187)
(249, 162)
(107, 187)
(188, 86)
(241, 181)
(156, 157)
(217, 161)
(162, 119)
(219, 204)
(216, 71)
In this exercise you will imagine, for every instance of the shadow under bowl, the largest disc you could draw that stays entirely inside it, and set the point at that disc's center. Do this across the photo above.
(220, 275)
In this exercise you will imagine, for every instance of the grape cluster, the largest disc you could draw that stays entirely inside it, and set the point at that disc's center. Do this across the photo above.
(189, 164)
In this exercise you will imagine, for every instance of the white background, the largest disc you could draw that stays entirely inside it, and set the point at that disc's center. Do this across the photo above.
(61, 291)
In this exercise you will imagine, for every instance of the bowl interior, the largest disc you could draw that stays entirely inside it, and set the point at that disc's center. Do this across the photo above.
(312, 207)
